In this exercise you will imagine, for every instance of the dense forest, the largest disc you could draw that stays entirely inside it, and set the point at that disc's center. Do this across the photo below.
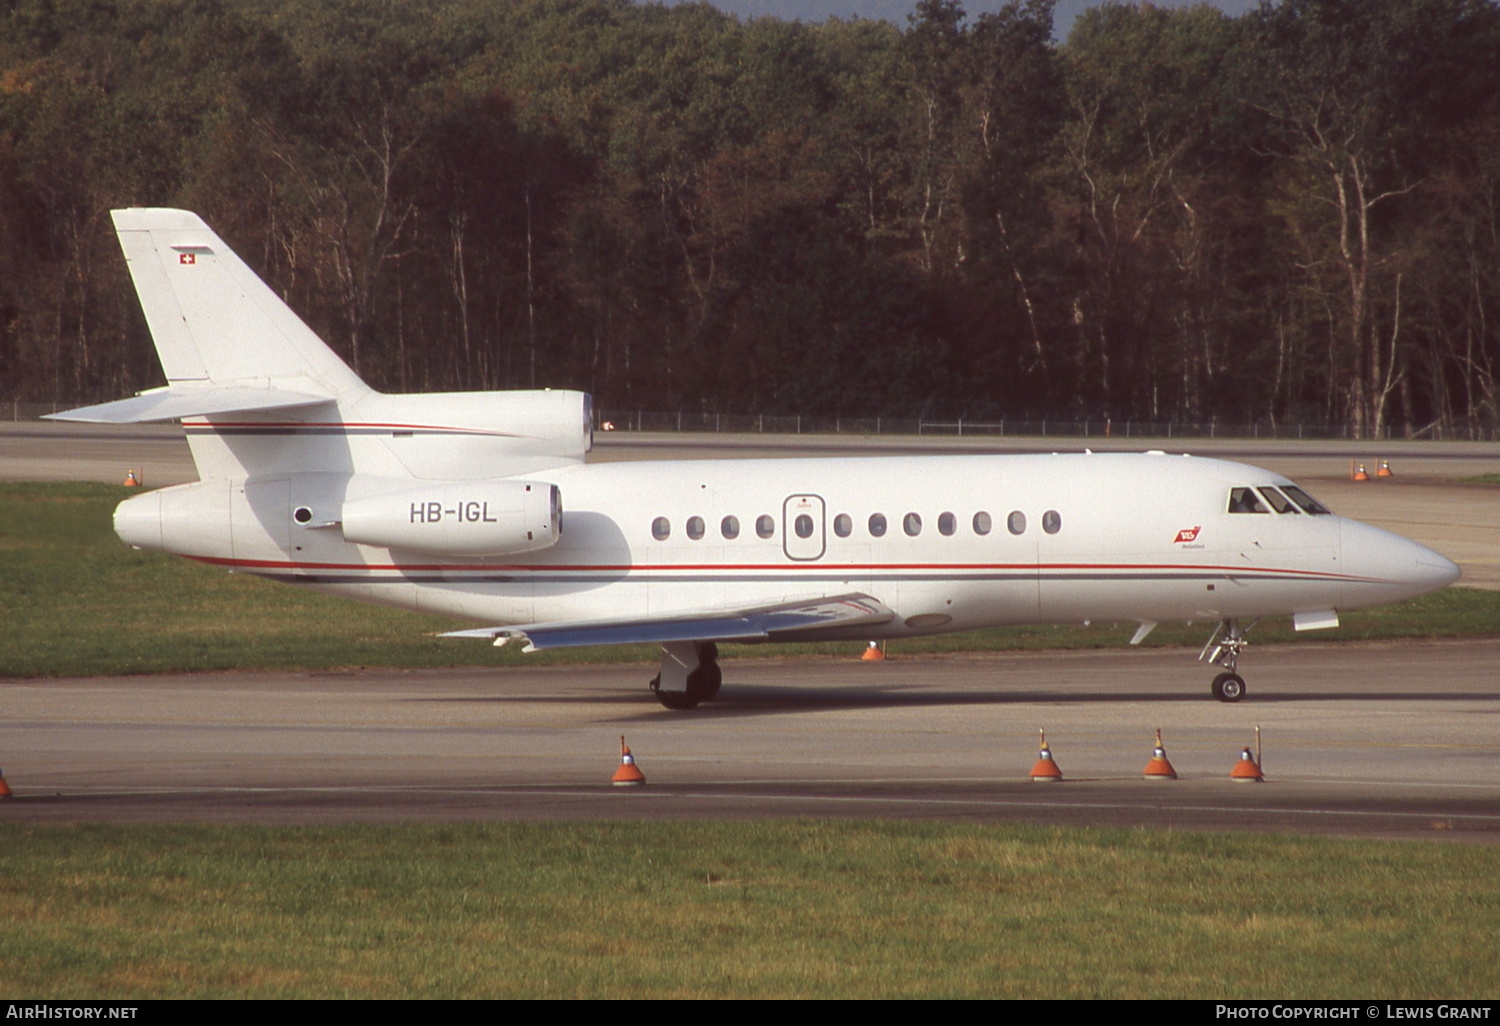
(1291, 216)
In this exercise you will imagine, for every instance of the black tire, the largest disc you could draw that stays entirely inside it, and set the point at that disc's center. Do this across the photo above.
(677, 700)
(1229, 687)
(705, 681)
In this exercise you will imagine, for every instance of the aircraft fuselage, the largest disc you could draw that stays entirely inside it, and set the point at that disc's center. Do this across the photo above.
(948, 543)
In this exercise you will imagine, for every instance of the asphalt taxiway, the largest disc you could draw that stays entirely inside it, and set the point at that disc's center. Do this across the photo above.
(1388, 740)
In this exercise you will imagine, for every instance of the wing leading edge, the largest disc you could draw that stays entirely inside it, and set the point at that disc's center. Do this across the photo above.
(760, 623)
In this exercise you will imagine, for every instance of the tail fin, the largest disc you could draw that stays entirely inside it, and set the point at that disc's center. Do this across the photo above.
(227, 342)
(261, 396)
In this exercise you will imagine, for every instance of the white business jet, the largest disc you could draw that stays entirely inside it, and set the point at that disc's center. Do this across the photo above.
(454, 504)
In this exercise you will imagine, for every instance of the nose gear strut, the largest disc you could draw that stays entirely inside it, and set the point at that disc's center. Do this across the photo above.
(1223, 649)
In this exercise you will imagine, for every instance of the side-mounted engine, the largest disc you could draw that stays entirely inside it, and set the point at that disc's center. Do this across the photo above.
(463, 518)
(307, 518)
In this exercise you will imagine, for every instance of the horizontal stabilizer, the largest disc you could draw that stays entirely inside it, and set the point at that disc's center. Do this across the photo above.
(759, 623)
(174, 403)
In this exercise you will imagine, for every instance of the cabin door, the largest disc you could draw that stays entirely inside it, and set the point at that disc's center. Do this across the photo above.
(802, 527)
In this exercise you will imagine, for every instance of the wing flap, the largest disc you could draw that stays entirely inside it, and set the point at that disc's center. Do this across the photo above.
(783, 620)
(174, 403)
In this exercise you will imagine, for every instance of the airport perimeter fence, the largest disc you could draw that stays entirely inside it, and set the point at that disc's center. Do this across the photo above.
(1062, 428)
(728, 423)
(12, 410)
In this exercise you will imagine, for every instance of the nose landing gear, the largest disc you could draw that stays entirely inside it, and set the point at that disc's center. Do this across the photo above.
(1228, 687)
(1223, 649)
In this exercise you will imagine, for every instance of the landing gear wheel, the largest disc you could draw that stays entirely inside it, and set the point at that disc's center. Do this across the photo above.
(677, 700)
(1229, 687)
(705, 681)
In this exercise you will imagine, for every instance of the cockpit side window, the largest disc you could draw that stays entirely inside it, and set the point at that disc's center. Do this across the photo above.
(1280, 503)
(1244, 500)
(1307, 502)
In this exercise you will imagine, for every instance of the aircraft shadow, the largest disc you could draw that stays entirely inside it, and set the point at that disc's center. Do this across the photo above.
(749, 700)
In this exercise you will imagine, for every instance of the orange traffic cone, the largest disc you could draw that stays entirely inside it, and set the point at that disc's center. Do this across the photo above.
(1384, 470)
(4, 787)
(873, 654)
(629, 774)
(1045, 770)
(1360, 475)
(131, 481)
(1159, 768)
(1246, 771)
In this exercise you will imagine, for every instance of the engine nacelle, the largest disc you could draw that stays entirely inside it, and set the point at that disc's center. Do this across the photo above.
(458, 518)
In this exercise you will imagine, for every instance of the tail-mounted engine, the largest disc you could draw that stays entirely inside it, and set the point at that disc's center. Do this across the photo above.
(302, 516)
(463, 518)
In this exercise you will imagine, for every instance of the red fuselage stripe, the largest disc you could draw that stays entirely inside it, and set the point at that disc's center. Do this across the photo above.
(1236, 571)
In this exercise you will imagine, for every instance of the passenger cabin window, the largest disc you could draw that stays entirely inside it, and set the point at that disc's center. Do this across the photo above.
(911, 524)
(695, 528)
(843, 526)
(1307, 502)
(1016, 522)
(1280, 503)
(729, 527)
(765, 526)
(947, 523)
(982, 523)
(661, 529)
(1244, 500)
(1052, 521)
(803, 525)
(877, 525)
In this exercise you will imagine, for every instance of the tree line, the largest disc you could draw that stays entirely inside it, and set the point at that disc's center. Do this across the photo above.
(1288, 216)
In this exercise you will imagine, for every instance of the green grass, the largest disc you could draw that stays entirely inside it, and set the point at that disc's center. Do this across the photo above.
(764, 909)
(1482, 479)
(75, 601)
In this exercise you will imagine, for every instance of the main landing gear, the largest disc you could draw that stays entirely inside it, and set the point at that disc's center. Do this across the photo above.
(1223, 649)
(689, 674)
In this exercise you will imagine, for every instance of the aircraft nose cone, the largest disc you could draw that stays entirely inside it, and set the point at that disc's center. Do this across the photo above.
(1437, 569)
(1385, 567)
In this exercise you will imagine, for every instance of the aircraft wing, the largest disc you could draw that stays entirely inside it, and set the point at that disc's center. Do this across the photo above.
(784, 621)
(174, 403)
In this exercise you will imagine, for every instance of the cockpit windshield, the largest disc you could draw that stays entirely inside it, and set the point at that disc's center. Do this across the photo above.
(1307, 502)
(1244, 500)
(1281, 498)
(1280, 503)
